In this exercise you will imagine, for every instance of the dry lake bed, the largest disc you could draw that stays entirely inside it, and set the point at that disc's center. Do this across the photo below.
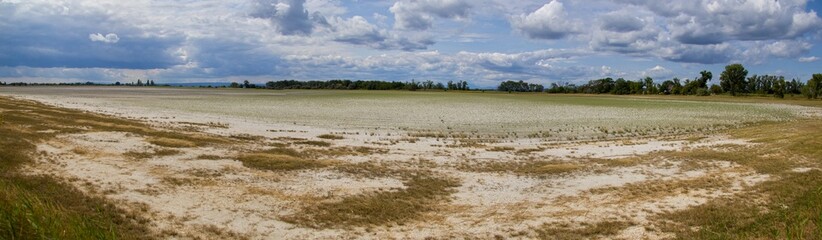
(263, 164)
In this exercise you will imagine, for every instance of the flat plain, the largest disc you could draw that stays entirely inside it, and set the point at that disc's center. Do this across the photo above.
(246, 163)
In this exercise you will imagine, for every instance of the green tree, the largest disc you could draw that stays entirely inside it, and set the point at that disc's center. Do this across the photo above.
(732, 79)
(814, 86)
(705, 77)
(779, 87)
(650, 87)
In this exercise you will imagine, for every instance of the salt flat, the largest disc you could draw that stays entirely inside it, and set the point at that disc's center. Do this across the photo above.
(473, 164)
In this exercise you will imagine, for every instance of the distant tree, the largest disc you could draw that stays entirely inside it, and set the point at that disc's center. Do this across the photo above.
(732, 79)
(439, 86)
(246, 84)
(704, 77)
(716, 89)
(519, 86)
(117, 84)
(428, 84)
(234, 85)
(676, 88)
(412, 86)
(621, 87)
(650, 87)
(814, 86)
(139, 82)
(779, 88)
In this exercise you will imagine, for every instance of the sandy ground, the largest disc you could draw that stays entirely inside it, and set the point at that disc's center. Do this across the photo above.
(185, 197)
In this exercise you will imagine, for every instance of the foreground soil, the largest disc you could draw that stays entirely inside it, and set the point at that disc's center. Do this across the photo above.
(187, 179)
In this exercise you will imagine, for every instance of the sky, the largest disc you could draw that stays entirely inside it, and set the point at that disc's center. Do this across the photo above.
(483, 42)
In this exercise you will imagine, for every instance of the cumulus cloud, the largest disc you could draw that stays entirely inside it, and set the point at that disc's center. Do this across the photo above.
(420, 14)
(626, 31)
(657, 72)
(707, 22)
(548, 22)
(358, 31)
(704, 54)
(289, 16)
(808, 59)
(108, 38)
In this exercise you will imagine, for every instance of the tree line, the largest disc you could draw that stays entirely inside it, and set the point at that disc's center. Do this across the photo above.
(413, 85)
(138, 83)
(733, 80)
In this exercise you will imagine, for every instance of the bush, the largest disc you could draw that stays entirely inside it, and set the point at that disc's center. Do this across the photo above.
(716, 89)
(702, 92)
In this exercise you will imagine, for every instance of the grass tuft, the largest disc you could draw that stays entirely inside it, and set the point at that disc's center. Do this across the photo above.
(598, 230)
(330, 137)
(171, 142)
(421, 195)
(535, 168)
(278, 162)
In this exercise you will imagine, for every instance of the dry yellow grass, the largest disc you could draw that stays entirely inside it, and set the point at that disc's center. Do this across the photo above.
(279, 162)
(171, 142)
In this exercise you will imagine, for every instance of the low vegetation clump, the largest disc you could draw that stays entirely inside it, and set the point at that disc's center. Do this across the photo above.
(529, 168)
(330, 137)
(41, 207)
(315, 143)
(422, 194)
(171, 142)
(793, 210)
(141, 155)
(787, 207)
(278, 162)
(587, 231)
(209, 157)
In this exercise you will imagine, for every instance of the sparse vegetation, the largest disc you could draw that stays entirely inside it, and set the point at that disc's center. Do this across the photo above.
(41, 207)
(785, 205)
(330, 137)
(422, 194)
(532, 168)
(587, 231)
(278, 162)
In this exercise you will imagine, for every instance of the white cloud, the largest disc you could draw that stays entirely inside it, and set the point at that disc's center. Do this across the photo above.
(289, 16)
(628, 31)
(420, 14)
(759, 52)
(657, 72)
(108, 38)
(548, 22)
(719, 21)
(808, 59)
